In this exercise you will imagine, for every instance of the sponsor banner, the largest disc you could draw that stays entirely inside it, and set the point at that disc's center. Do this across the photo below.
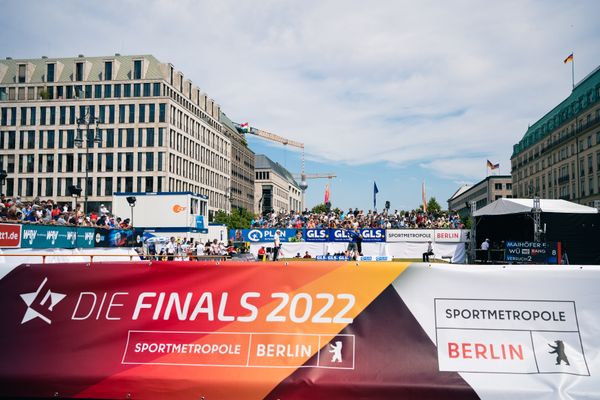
(532, 252)
(174, 330)
(114, 237)
(10, 235)
(426, 235)
(53, 236)
(331, 258)
(266, 235)
(451, 235)
(410, 235)
(375, 258)
(316, 235)
(369, 235)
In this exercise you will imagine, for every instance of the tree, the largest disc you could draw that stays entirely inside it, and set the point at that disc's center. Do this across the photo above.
(238, 219)
(319, 208)
(433, 206)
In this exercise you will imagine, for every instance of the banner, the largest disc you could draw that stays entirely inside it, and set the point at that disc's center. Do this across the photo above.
(369, 235)
(426, 235)
(114, 237)
(532, 252)
(10, 235)
(265, 235)
(298, 330)
(56, 236)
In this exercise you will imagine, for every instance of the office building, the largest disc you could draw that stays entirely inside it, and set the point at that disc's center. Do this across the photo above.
(488, 190)
(159, 132)
(559, 155)
(242, 167)
(275, 189)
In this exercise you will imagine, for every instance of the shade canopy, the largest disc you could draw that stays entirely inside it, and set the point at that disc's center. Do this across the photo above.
(517, 206)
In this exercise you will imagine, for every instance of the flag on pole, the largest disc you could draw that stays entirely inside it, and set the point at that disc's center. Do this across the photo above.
(375, 191)
(245, 127)
(569, 58)
(424, 196)
(327, 193)
(492, 166)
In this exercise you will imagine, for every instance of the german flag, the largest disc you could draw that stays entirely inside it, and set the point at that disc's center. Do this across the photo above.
(569, 58)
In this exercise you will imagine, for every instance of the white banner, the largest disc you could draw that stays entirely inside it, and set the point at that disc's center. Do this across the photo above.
(512, 332)
(425, 235)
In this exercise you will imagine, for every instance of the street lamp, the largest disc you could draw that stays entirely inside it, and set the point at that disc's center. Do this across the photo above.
(91, 135)
(131, 200)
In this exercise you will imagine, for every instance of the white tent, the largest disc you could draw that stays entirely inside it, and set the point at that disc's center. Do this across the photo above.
(516, 206)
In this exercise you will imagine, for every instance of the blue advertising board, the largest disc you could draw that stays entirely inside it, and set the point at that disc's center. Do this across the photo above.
(305, 235)
(532, 252)
(53, 236)
(113, 237)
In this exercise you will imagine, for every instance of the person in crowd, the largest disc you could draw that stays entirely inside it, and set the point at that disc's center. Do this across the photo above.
(171, 249)
(485, 246)
(276, 244)
(297, 255)
(214, 248)
(262, 254)
(428, 252)
(307, 255)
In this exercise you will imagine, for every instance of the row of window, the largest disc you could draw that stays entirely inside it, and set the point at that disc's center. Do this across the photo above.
(97, 186)
(71, 92)
(185, 123)
(196, 151)
(193, 171)
(79, 73)
(65, 138)
(584, 169)
(99, 162)
(67, 115)
(587, 187)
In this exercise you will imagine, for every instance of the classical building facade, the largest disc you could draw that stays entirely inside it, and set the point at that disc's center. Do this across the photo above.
(159, 132)
(559, 156)
(242, 167)
(488, 190)
(275, 189)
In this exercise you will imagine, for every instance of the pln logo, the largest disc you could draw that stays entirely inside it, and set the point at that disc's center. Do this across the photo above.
(40, 303)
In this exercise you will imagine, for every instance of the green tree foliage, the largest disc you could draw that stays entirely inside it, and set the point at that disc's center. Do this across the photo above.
(433, 206)
(319, 208)
(238, 219)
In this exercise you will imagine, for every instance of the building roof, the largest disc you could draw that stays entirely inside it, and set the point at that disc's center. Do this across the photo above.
(584, 95)
(66, 74)
(518, 206)
(263, 162)
(460, 191)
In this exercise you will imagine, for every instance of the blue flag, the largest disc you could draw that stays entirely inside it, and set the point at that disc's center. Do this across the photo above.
(375, 191)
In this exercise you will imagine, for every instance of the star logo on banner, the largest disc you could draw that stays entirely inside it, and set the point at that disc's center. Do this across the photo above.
(46, 299)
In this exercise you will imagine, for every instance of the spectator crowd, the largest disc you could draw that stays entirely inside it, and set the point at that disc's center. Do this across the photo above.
(360, 219)
(49, 212)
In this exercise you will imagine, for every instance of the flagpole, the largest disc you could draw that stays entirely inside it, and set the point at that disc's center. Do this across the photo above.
(573, 70)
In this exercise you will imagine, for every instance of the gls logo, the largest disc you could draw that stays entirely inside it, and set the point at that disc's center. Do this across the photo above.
(316, 233)
(372, 234)
(40, 298)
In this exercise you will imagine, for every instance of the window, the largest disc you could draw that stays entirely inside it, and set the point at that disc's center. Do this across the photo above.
(108, 186)
(129, 138)
(63, 115)
(98, 91)
(42, 115)
(111, 114)
(110, 138)
(108, 91)
(151, 108)
(50, 163)
(147, 89)
(72, 115)
(121, 113)
(52, 115)
(22, 73)
(108, 70)
(50, 140)
(142, 113)
(149, 161)
(117, 90)
(126, 90)
(50, 72)
(131, 113)
(79, 71)
(156, 89)
(150, 137)
(102, 114)
(129, 164)
(137, 69)
(161, 112)
(159, 166)
(109, 162)
(23, 115)
(149, 184)
(31, 139)
(137, 90)
(88, 91)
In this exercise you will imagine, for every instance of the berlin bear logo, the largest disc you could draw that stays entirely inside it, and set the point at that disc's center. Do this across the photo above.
(559, 350)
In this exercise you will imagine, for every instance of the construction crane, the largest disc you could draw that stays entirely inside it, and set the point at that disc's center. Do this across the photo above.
(246, 128)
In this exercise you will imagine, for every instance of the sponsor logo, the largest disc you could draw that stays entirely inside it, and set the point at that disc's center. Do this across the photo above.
(10, 235)
(255, 235)
(29, 235)
(40, 300)
(177, 208)
(509, 336)
(99, 238)
(316, 234)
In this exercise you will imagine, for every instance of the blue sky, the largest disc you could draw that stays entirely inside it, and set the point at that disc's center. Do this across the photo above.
(392, 91)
